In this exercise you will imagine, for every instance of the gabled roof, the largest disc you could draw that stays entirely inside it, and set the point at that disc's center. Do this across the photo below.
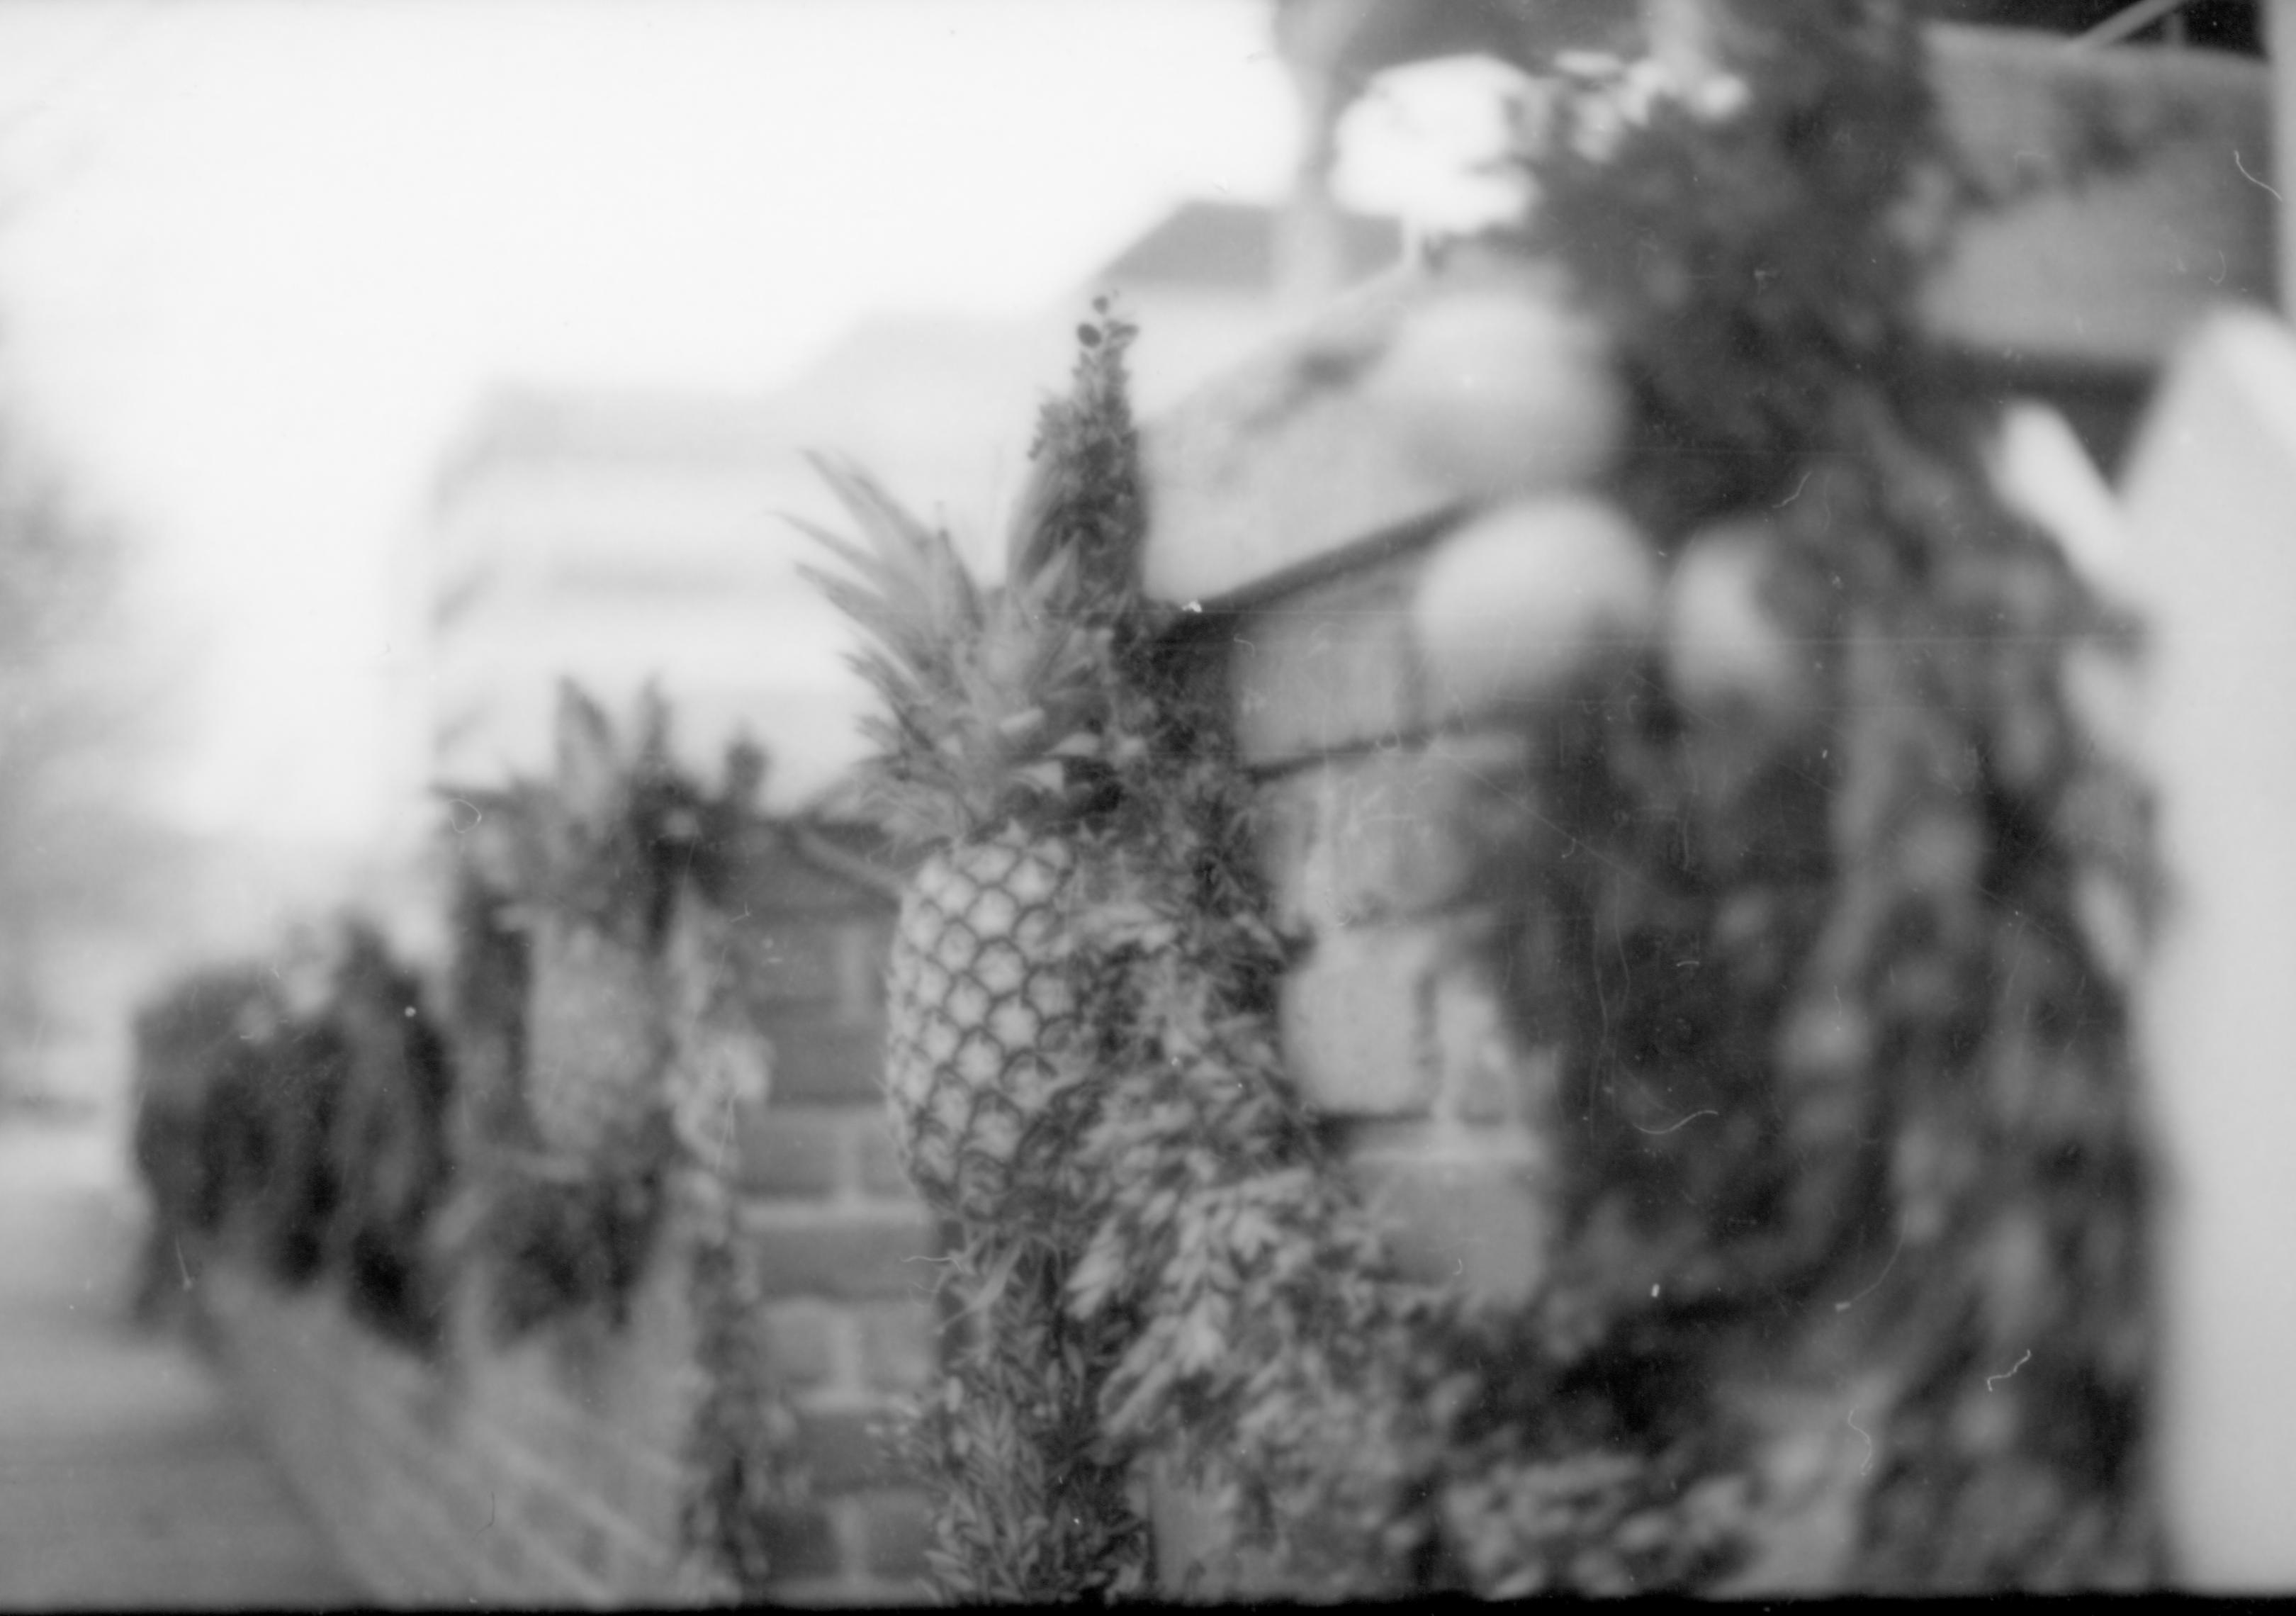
(1231, 246)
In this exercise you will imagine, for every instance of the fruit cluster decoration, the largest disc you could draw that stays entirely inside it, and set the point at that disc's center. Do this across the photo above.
(563, 977)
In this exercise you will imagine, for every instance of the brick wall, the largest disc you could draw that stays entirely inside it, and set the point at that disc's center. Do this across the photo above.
(547, 1475)
(1393, 847)
(1416, 849)
(844, 1248)
(551, 1471)
(1398, 828)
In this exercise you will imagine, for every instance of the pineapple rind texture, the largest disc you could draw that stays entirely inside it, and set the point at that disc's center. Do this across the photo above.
(981, 1015)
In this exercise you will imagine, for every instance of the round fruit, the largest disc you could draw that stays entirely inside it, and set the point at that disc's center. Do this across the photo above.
(1501, 390)
(1727, 653)
(1528, 599)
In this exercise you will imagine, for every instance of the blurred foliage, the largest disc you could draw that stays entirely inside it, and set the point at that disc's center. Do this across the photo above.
(308, 1113)
(744, 1470)
(609, 838)
(577, 1188)
(487, 968)
(1922, 1064)
(238, 1080)
(296, 1111)
(389, 1140)
(560, 1243)
(195, 1047)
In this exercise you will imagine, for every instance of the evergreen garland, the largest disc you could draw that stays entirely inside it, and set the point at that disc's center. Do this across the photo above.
(742, 1471)
(1941, 1072)
(740, 1453)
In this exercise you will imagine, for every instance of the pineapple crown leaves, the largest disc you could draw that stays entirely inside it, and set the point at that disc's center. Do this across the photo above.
(997, 703)
(965, 675)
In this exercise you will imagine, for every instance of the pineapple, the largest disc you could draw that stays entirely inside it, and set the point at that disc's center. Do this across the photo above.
(994, 753)
(983, 1012)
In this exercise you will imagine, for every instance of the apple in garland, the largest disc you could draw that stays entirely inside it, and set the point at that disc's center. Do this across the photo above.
(1754, 695)
(1528, 602)
(1727, 654)
(1499, 388)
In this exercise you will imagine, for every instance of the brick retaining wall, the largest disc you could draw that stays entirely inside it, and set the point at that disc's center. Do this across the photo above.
(503, 1482)
(551, 1471)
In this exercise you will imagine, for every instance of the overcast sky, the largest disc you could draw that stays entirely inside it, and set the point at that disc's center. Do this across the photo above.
(258, 260)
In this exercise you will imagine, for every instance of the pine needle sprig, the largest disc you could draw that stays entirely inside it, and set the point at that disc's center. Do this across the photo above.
(1084, 503)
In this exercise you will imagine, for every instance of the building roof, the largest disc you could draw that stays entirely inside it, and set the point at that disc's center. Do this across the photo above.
(1231, 246)
(525, 425)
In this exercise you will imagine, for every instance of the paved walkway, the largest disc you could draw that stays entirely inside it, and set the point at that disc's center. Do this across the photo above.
(125, 1477)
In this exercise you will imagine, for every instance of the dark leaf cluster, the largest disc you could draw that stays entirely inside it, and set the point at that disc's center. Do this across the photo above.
(560, 1241)
(312, 1133)
(613, 837)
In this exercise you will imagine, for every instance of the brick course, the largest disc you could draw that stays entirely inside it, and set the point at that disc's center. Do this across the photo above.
(1409, 842)
(1330, 668)
(794, 1152)
(821, 1060)
(865, 1253)
(1395, 832)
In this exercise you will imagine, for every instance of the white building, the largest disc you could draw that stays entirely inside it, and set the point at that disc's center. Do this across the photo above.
(620, 537)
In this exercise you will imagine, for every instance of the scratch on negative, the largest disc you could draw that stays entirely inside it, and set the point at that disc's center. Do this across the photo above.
(1790, 498)
(2250, 179)
(1844, 1306)
(2012, 1369)
(1670, 1127)
(1866, 1467)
